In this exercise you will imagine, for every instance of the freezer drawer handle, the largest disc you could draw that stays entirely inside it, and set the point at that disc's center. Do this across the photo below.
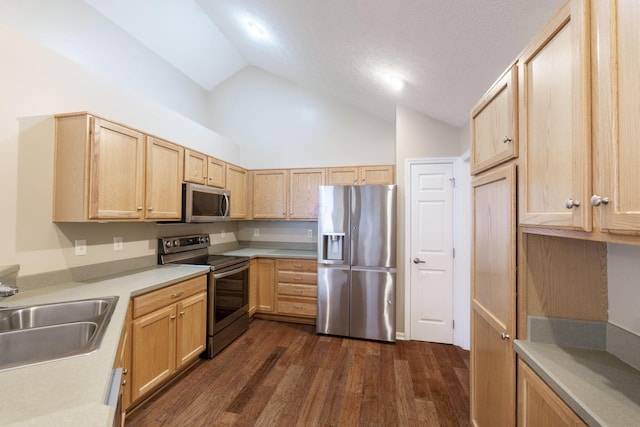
(418, 261)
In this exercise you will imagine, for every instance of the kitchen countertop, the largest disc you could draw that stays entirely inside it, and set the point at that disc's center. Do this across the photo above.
(273, 253)
(72, 391)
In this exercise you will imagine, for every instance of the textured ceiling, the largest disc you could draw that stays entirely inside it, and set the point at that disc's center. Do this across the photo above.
(447, 51)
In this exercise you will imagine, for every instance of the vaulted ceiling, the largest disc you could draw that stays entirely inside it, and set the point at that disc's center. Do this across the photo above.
(448, 52)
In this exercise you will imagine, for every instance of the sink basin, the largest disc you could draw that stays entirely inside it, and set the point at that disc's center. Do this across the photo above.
(54, 314)
(41, 333)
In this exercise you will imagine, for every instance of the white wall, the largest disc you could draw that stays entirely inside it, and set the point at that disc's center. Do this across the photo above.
(417, 137)
(36, 83)
(76, 30)
(283, 125)
(623, 272)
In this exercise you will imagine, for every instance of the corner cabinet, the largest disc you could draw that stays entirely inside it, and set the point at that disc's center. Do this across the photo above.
(555, 132)
(270, 194)
(494, 124)
(102, 169)
(168, 332)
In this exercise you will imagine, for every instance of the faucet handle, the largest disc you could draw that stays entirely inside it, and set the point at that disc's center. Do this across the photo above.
(7, 291)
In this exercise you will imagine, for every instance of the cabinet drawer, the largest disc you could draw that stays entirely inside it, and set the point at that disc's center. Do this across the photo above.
(307, 265)
(297, 290)
(151, 301)
(295, 277)
(297, 306)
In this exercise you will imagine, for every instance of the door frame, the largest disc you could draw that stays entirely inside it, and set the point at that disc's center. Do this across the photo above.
(461, 285)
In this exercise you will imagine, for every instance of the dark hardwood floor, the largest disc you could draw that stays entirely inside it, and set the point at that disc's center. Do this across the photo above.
(284, 374)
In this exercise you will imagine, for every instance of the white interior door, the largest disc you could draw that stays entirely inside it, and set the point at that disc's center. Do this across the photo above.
(431, 252)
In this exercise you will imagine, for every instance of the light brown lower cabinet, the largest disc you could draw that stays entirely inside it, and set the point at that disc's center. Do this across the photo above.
(539, 405)
(286, 289)
(168, 331)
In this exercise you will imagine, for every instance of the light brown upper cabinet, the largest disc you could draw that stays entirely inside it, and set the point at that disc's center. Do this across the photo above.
(236, 181)
(555, 130)
(99, 170)
(202, 169)
(616, 116)
(163, 180)
(269, 194)
(303, 192)
(494, 123)
(361, 175)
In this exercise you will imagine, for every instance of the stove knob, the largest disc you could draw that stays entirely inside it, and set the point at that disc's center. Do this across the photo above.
(206, 239)
(176, 243)
(168, 243)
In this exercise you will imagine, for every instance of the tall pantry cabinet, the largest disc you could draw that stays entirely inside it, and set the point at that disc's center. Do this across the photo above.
(493, 260)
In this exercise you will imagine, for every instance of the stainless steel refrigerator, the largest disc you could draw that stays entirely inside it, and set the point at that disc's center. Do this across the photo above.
(357, 261)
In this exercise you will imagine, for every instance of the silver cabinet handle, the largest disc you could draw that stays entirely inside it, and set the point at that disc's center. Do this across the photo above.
(181, 313)
(570, 203)
(504, 336)
(139, 208)
(599, 200)
(150, 209)
(418, 261)
(506, 139)
(172, 317)
(177, 294)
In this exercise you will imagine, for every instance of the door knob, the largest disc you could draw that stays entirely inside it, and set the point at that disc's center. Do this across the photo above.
(418, 261)
(598, 200)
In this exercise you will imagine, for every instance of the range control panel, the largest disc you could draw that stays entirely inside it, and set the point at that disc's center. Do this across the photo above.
(172, 245)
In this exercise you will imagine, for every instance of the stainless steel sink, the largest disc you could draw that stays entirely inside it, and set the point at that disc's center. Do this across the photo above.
(40, 333)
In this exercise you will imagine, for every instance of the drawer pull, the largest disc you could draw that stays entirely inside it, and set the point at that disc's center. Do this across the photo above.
(177, 294)
(181, 313)
(298, 306)
(172, 317)
(297, 291)
(297, 278)
(297, 265)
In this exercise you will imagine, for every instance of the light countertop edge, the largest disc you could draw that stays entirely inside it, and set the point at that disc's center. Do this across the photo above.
(72, 391)
(272, 253)
(599, 387)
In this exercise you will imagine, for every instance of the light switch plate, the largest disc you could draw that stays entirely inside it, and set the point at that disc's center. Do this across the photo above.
(256, 232)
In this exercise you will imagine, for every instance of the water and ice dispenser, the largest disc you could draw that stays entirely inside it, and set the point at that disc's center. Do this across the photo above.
(333, 246)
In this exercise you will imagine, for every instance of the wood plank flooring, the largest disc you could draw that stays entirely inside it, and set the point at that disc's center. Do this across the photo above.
(284, 374)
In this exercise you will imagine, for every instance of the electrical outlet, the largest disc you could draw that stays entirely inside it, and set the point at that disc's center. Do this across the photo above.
(81, 247)
(222, 234)
(309, 233)
(256, 232)
(117, 243)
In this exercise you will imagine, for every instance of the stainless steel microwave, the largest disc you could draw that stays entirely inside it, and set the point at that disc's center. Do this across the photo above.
(204, 204)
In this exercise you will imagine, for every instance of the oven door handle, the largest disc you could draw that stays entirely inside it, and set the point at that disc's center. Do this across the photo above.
(231, 272)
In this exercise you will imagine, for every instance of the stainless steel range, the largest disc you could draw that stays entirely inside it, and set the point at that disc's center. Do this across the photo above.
(227, 287)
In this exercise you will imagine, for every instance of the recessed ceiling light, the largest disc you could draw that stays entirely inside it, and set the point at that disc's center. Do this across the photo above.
(256, 30)
(397, 83)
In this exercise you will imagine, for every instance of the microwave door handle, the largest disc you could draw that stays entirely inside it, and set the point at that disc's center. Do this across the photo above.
(226, 205)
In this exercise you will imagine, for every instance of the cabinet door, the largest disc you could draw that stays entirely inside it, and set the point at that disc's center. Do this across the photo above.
(494, 135)
(343, 176)
(555, 122)
(617, 116)
(195, 167)
(216, 172)
(377, 175)
(192, 332)
(266, 286)
(539, 405)
(163, 179)
(116, 172)
(303, 192)
(236, 182)
(153, 350)
(253, 286)
(270, 194)
(493, 298)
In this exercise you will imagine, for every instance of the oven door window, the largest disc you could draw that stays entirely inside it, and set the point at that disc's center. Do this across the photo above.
(232, 294)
